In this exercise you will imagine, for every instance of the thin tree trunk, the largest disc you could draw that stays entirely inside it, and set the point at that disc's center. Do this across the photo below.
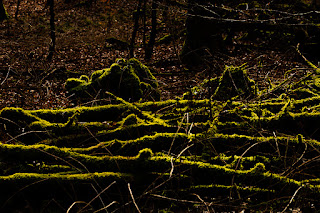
(165, 10)
(144, 23)
(149, 49)
(17, 11)
(52, 31)
(135, 30)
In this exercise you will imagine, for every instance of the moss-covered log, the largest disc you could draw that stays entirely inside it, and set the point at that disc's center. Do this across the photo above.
(224, 148)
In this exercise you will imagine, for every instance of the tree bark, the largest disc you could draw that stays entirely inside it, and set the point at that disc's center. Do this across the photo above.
(202, 34)
(144, 13)
(135, 29)
(17, 11)
(205, 28)
(52, 31)
(149, 48)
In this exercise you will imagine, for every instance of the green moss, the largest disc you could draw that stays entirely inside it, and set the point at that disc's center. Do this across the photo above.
(89, 177)
(302, 93)
(256, 146)
(133, 131)
(131, 120)
(108, 120)
(95, 75)
(258, 168)
(18, 121)
(84, 78)
(145, 154)
(143, 72)
(157, 142)
(165, 39)
(204, 90)
(299, 104)
(74, 84)
(42, 125)
(85, 114)
(19, 115)
(140, 113)
(235, 82)
(130, 80)
(223, 187)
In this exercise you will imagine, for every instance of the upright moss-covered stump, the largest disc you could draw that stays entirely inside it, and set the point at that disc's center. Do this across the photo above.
(129, 79)
(235, 82)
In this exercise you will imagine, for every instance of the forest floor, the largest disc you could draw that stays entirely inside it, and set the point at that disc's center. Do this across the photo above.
(30, 81)
(219, 155)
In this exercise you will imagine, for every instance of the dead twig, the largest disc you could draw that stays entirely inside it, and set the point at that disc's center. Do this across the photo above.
(177, 200)
(93, 136)
(22, 134)
(73, 204)
(179, 127)
(293, 165)
(276, 140)
(207, 206)
(94, 188)
(239, 160)
(172, 165)
(98, 195)
(27, 186)
(6, 76)
(184, 150)
(293, 196)
(110, 204)
(133, 200)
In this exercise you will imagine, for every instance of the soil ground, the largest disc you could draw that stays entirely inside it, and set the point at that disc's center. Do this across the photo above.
(30, 81)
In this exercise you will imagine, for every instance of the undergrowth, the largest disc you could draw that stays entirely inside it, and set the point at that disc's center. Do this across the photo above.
(216, 155)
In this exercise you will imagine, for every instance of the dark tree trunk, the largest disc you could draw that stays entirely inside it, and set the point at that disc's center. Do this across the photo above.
(3, 13)
(52, 30)
(149, 48)
(17, 11)
(144, 23)
(202, 34)
(135, 29)
(165, 10)
(205, 29)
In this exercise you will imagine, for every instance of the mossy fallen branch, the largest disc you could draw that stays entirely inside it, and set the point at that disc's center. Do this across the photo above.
(257, 149)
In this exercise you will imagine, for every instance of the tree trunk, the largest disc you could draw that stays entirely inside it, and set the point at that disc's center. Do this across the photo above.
(135, 29)
(3, 13)
(52, 31)
(17, 11)
(144, 12)
(202, 34)
(149, 48)
(205, 29)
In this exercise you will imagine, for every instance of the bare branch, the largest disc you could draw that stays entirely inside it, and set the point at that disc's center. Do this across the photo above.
(133, 200)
